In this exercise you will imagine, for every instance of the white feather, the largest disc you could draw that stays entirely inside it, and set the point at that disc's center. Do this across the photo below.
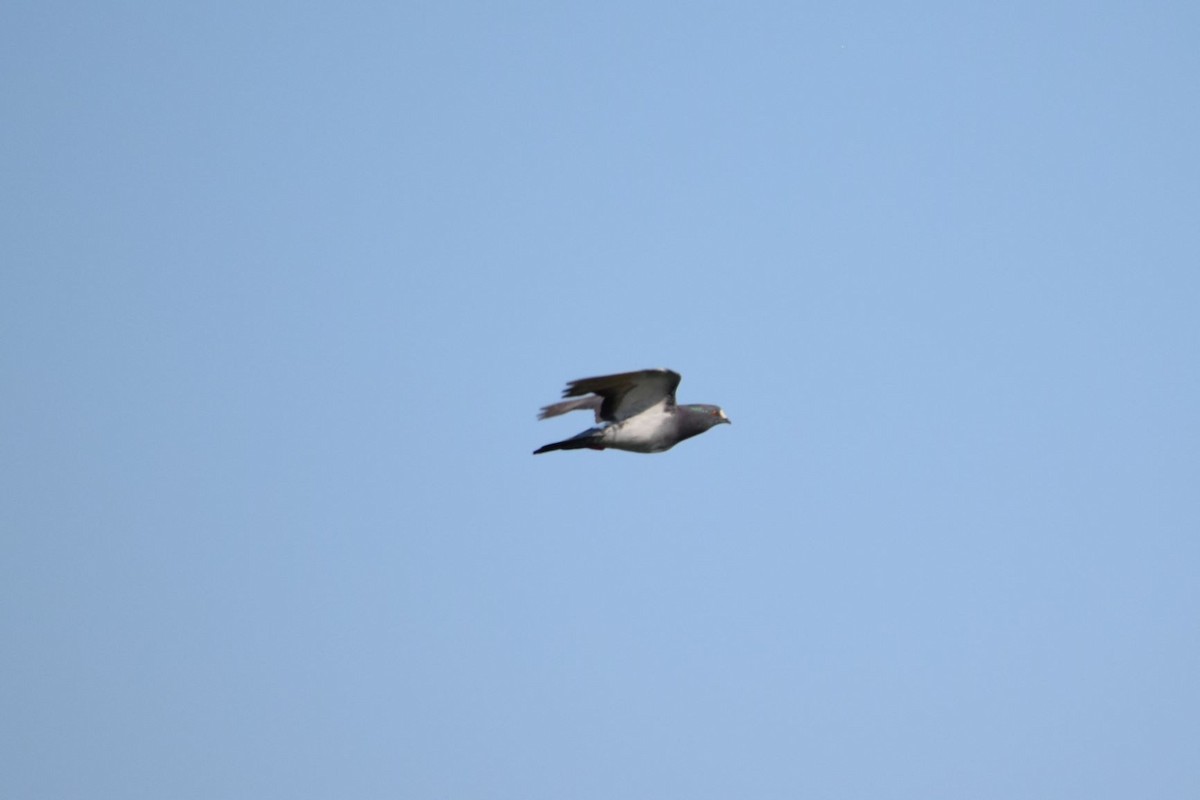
(641, 433)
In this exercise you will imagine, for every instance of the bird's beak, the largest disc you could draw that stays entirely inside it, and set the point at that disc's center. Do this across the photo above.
(726, 419)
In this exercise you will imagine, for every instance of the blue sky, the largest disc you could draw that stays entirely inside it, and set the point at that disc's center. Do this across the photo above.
(282, 287)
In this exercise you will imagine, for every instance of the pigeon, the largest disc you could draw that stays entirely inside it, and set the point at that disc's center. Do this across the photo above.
(635, 411)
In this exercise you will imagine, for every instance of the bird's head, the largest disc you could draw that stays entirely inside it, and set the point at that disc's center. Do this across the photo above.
(714, 415)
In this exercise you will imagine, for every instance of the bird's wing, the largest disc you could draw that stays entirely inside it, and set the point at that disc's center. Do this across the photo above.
(627, 394)
(554, 409)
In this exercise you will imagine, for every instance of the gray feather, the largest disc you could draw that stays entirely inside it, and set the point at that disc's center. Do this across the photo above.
(554, 409)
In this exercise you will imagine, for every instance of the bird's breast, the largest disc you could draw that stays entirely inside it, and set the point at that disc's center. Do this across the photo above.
(648, 432)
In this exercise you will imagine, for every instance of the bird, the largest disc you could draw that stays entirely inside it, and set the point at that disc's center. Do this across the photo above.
(635, 411)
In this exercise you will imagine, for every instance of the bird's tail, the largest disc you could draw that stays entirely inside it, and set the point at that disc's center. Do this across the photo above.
(587, 439)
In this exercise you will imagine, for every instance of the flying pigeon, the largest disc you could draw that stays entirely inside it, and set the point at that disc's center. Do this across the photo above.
(639, 409)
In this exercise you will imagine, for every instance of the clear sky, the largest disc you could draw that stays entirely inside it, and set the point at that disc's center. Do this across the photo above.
(283, 285)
